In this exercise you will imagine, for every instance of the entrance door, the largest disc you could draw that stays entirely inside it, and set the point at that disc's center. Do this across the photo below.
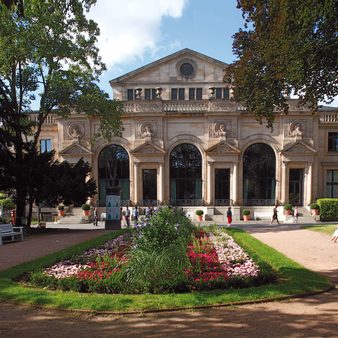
(296, 186)
(222, 186)
(149, 179)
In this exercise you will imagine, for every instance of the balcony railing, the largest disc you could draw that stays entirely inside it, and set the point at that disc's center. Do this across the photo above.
(329, 118)
(181, 106)
(50, 119)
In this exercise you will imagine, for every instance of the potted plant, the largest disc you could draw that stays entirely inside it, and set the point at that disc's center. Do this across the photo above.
(314, 207)
(246, 215)
(287, 209)
(199, 214)
(61, 209)
(85, 207)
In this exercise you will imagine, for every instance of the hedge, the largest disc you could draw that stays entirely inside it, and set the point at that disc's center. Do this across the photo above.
(328, 209)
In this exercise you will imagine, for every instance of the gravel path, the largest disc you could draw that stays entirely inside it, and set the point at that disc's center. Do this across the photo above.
(314, 316)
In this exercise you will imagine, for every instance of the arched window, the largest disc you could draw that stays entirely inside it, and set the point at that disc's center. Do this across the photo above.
(185, 175)
(113, 164)
(259, 175)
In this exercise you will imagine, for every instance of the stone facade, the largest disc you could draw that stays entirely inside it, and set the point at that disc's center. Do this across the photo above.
(158, 118)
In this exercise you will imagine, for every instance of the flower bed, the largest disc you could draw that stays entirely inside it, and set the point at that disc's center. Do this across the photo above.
(157, 258)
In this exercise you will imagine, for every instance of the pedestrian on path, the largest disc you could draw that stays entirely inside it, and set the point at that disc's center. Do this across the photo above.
(96, 217)
(229, 216)
(295, 215)
(127, 216)
(334, 237)
(274, 215)
(135, 214)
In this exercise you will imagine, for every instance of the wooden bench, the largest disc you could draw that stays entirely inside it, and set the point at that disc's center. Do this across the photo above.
(8, 231)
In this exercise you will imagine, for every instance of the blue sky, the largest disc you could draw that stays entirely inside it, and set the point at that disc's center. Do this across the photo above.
(136, 34)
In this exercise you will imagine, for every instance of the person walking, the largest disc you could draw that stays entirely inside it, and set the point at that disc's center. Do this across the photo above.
(229, 216)
(127, 216)
(135, 214)
(274, 215)
(96, 217)
(295, 215)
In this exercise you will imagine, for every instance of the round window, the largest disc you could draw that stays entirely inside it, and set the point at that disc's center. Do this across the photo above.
(186, 69)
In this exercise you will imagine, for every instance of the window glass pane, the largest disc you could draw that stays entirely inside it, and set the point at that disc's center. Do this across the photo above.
(174, 93)
(191, 93)
(153, 94)
(335, 176)
(226, 93)
(147, 94)
(218, 93)
(181, 94)
(333, 142)
(45, 145)
(329, 176)
(259, 170)
(149, 184)
(185, 173)
(113, 164)
(199, 93)
(130, 94)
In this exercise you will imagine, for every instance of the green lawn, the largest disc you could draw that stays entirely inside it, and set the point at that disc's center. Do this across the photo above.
(327, 229)
(294, 280)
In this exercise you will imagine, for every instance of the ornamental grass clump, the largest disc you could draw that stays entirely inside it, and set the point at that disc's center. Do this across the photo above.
(158, 261)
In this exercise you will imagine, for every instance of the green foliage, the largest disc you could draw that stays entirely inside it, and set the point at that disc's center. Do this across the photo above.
(314, 206)
(157, 271)
(6, 202)
(286, 47)
(199, 212)
(85, 206)
(287, 206)
(166, 227)
(47, 48)
(246, 212)
(328, 209)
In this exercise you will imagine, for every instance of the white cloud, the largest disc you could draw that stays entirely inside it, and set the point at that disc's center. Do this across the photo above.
(130, 28)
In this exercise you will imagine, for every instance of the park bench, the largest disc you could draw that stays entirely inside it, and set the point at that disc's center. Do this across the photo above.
(8, 231)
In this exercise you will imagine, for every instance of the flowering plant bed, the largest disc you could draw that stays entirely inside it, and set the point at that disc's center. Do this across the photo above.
(143, 263)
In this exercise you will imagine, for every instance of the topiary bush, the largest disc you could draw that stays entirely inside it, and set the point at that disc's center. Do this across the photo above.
(328, 209)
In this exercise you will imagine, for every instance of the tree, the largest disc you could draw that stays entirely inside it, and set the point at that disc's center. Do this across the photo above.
(287, 47)
(47, 49)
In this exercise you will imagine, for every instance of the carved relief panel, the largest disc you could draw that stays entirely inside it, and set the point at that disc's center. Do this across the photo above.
(146, 129)
(220, 129)
(74, 130)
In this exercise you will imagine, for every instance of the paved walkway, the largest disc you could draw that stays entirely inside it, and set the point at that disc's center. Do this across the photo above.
(314, 316)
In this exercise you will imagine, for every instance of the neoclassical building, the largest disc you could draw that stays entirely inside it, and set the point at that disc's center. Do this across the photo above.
(187, 143)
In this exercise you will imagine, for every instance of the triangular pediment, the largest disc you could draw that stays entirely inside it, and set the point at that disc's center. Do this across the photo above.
(221, 148)
(148, 149)
(75, 149)
(153, 70)
(299, 147)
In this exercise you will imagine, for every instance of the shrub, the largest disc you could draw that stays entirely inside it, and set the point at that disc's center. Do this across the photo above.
(328, 209)
(314, 206)
(157, 271)
(199, 212)
(85, 206)
(166, 227)
(288, 207)
(246, 212)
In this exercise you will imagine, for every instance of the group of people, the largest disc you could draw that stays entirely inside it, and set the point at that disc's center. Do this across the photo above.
(275, 214)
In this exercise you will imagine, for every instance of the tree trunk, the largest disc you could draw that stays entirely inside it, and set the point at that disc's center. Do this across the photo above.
(30, 211)
(20, 207)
